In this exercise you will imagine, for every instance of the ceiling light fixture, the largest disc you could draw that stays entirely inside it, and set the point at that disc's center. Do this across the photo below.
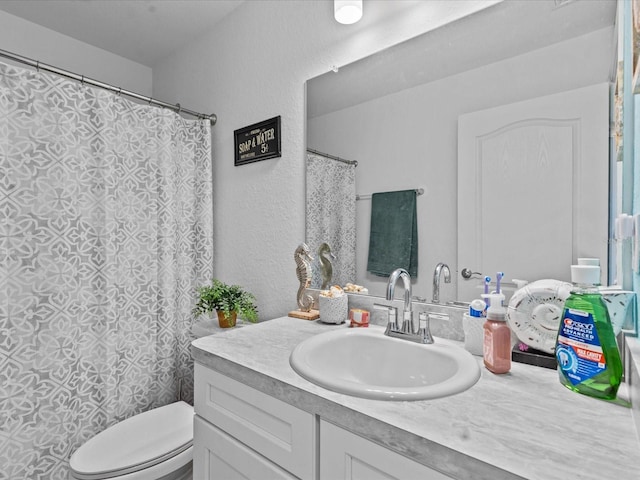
(347, 11)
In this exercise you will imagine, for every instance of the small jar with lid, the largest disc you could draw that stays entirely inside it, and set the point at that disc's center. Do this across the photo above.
(497, 337)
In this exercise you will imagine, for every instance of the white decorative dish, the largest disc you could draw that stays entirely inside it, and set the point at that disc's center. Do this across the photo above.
(534, 313)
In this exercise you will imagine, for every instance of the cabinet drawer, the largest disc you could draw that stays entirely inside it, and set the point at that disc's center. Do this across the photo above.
(346, 456)
(217, 455)
(279, 431)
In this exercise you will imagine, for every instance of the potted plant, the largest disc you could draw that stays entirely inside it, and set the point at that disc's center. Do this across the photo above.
(228, 301)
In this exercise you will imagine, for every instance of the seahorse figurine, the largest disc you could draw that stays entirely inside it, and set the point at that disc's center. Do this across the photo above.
(326, 269)
(303, 259)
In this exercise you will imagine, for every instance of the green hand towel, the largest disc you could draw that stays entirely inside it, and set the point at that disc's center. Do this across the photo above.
(393, 240)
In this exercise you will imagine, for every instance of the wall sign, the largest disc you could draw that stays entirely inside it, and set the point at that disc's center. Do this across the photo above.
(258, 141)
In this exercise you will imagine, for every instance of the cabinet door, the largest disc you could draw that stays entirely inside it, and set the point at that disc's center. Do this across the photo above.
(217, 456)
(281, 432)
(344, 455)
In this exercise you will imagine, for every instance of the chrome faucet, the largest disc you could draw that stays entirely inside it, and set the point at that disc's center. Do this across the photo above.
(407, 318)
(440, 267)
(406, 330)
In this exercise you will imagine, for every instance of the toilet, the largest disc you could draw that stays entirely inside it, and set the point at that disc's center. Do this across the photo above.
(154, 445)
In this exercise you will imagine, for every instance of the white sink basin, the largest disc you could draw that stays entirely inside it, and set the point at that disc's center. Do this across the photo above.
(363, 362)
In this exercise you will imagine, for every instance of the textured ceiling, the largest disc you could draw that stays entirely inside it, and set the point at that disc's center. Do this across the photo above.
(501, 31)
(144, 31)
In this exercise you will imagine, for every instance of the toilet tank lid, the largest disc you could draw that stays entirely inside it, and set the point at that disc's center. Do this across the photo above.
(137, 442)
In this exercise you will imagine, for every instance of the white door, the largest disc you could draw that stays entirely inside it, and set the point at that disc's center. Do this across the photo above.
(533, 187)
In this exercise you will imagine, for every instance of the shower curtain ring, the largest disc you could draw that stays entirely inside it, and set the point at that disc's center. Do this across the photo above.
(179, 107)
(38, 66)
(82, 80)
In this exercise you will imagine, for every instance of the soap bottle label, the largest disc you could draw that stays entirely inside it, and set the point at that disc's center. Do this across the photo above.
(487, 350)
(578, 350)
(497, 347)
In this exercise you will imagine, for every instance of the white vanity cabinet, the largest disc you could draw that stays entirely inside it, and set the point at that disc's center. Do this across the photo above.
(242, 433)
(347, 456)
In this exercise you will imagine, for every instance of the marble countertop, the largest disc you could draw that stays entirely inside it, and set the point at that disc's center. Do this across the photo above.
(523, 424)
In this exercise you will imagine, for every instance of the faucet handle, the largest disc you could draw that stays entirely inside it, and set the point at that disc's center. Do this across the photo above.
(423, 328)
(392, 316)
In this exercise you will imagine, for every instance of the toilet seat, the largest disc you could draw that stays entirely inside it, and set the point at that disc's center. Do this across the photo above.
(137, 443)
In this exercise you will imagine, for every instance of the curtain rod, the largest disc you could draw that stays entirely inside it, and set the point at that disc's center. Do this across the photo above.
(419, 191)
(81, 78)
(332, 157)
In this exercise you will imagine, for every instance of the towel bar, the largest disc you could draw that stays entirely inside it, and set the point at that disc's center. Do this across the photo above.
(367, 196)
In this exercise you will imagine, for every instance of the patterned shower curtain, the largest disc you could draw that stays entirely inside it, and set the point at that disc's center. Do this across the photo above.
(105, 230)
(331, 216)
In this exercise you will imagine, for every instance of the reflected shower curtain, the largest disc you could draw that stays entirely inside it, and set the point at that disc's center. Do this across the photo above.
(105, 230)
(331, 216)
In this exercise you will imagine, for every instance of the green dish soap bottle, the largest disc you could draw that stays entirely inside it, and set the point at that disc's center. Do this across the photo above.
(586, 348)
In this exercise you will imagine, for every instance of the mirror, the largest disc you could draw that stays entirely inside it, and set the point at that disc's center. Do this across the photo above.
(397, 113)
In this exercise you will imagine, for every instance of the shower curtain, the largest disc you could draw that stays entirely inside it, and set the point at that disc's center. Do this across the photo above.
(331, 216)
(105, 231)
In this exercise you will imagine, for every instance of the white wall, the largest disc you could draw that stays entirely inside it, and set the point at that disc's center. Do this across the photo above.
(252, 67)
(409, 140)
(47, 46)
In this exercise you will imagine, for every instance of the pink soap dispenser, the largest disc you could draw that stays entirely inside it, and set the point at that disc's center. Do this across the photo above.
(497, 337)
